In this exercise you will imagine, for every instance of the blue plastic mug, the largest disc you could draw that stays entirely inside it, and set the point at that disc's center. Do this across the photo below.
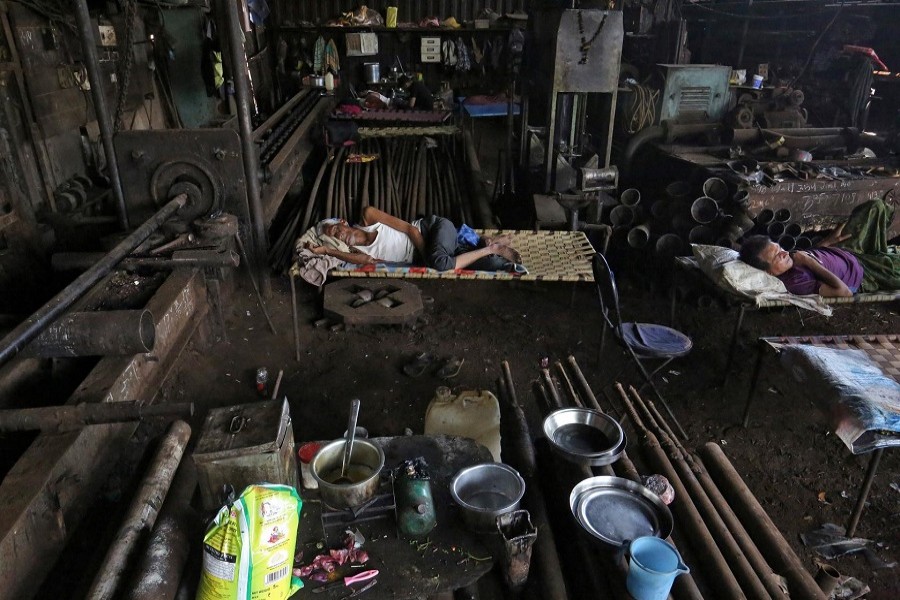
(653, 566)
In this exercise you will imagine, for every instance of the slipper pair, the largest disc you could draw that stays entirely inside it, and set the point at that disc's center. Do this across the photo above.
(421, 363)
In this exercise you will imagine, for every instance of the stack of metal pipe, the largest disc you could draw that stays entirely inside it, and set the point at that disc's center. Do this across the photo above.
(405, 176)
(779, 226)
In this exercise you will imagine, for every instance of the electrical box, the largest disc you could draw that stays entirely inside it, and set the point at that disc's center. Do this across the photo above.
(694, 93)
(431, 49)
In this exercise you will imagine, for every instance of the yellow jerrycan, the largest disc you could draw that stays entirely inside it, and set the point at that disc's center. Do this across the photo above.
(471, 413)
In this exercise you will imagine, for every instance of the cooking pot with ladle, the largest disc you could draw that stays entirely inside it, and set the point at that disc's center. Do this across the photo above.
(360, 482)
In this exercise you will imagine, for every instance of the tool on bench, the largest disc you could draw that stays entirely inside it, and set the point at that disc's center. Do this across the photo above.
(350, 580)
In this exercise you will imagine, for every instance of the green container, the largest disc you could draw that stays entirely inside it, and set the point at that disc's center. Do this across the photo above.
(415, 505)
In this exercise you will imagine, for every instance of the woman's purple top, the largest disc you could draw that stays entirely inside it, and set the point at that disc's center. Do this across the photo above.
(801, 280)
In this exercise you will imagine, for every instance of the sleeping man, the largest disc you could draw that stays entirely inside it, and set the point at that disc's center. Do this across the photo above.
(383, 238)
(852, 258)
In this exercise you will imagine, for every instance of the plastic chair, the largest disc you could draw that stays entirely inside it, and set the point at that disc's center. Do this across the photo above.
(643, 341)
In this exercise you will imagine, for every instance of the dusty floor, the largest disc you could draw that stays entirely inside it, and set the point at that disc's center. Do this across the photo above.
(801, 474)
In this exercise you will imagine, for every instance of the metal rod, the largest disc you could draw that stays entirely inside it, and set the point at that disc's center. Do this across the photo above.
(158, 573)
(735, 338)
(259, 298)
(741, 568)
(16, 339)
(765, 533)
(688, 517)
(78, 261)
(549, 572)
(142, 512)
(754, 382)
(98, 95)
(522, 446)
(551, 390)
(567, 384)
(70, 418)
(242, 94)
(864, 491)
(99, 333)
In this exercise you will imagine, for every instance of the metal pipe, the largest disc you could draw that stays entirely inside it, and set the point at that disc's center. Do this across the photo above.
(523, 448)
(142, 512)
(765, 533)
(482, 204)
(98, 95)
(567, 384)
(71, 418)
(158, 573)
(242, 95)
(688, 517)
(256, 288)
(100, 333)
(79, 261)
(551, 389)
(864, 491)
(13, 342)
(549, 572)
(734, 556)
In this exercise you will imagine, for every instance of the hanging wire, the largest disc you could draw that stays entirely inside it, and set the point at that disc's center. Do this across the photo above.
(642, 112)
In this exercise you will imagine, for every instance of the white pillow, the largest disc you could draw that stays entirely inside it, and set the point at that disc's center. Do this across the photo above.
(723, 266)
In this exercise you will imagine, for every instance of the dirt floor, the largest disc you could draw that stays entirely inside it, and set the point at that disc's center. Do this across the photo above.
(800, 473)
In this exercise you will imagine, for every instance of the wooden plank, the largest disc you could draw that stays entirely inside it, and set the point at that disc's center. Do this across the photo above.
(49, 490)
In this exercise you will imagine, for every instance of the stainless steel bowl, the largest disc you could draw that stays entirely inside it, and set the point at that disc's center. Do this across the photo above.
(486, 491)
(585, 436)
(364, 469)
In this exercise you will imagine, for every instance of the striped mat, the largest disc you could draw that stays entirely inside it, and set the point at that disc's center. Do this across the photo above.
(548, 256)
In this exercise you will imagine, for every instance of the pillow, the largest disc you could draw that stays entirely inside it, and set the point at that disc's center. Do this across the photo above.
(723, 266)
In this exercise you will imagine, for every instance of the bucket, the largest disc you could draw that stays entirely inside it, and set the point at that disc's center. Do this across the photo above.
(372, 72)
(652, 568)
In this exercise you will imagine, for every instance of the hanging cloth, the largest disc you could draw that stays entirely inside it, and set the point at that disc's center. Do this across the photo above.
(332, 58)
(463, 57)
(448, 53)
(319, 55)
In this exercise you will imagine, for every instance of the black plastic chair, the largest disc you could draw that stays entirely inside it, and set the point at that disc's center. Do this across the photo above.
(643, 341)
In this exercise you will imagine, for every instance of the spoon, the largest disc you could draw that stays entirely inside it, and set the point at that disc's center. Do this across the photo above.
(348, 446)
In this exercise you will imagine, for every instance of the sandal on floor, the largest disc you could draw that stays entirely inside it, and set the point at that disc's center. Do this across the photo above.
(418, 366)
(451, 368)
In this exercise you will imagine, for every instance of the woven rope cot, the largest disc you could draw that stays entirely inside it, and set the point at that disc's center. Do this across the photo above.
(548, 256)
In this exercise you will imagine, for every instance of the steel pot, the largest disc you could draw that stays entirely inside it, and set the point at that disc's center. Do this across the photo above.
(584, 436)
(486, 491)
(364, 469)
(317, 81)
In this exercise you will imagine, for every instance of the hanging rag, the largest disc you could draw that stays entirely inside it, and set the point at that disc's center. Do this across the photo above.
(448, 53)
(463, 57)
(259, 10)
(332, 58)
(319, 55)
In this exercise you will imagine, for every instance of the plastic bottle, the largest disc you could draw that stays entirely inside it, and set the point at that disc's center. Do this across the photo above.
(329, 81)
(471, 413)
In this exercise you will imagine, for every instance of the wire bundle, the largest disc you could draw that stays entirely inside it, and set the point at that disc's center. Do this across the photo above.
(642, 112)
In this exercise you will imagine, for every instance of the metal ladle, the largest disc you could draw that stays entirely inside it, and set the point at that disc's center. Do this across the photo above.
(348, 447)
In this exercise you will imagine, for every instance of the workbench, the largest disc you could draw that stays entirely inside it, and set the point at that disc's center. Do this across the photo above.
(449, 558)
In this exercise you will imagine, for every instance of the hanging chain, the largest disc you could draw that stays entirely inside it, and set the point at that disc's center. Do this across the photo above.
(126, 60)
(586, 43)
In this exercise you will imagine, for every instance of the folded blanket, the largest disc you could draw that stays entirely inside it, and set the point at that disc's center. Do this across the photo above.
(313, 268)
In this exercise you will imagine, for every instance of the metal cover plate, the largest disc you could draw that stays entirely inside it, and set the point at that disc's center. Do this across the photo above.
(615, 510)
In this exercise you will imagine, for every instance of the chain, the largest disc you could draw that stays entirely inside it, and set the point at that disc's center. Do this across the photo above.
(586, 43)
(126, 61)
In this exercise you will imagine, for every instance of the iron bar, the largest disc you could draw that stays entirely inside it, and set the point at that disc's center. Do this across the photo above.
(688, 517)
(734, 556)
(259, 298)
(764, 532)
(294, 315)
(158, 573)
(73, 417)
(78, 261)
(99, 333)
(98, 95)
(142, 512)
(864, 491)
(549, 572)
(16, 339)
(242, 94)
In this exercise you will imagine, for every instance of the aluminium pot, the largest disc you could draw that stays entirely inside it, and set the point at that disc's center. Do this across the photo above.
(486, 491)
(364, 471)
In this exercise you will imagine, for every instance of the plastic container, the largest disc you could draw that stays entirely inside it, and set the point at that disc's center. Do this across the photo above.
(329, 82)
(472, 414)
(653, 566)
(757, 82)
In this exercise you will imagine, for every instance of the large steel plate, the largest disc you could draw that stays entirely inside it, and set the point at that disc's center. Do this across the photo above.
(616, 510)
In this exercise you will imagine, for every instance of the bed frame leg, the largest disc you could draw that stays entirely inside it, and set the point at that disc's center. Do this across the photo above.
(735, 336)
(757, 368)
(864, 492)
